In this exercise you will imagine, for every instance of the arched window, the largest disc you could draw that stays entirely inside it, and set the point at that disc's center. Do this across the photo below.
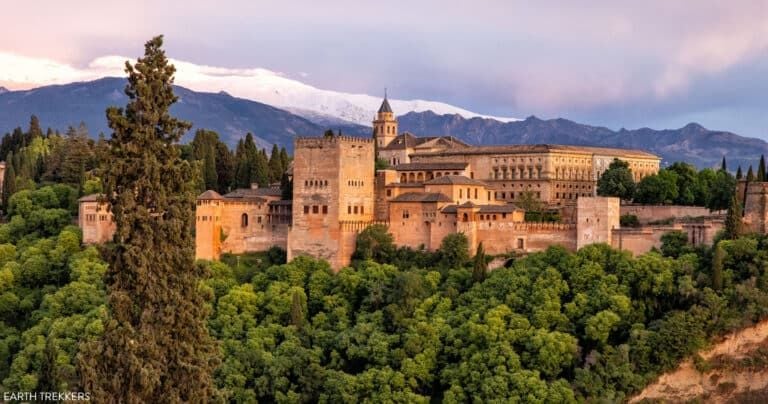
(465, 217)
(244, 220)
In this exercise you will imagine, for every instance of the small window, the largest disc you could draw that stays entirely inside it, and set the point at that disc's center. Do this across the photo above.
(349, 209)
(306, 209)
(325, 209)
(361, 210)
(389, 192)
(315, 209)
(520, 244)
(354, 209)
(244, 220)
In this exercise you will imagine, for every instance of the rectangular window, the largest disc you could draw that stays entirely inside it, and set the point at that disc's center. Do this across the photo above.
(475, 193)
(325, 209)
(354, 209)
(361, 210)
(349, 209)
(520, 244)
(306, 209)
(389, 192)
(315, 209)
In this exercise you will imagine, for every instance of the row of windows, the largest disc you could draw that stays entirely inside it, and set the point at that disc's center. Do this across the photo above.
(388, 129)
(521, 185)
(91, 217)
(512, 160)
(492, 217)
(316, 209)
(316, 183)
(461, 193)
(570, 195)
(355, 183)
(355, 210)
(514, 173)
(572, 173)
(421, 177)
(583, 186)
(512, 195)
(206, 218)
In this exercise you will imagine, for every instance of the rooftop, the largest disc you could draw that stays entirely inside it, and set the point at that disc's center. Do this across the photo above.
(542, 148)
(385, 106)
(421, 197)
(430, 166)
(407, 140)
(91, 198)
(454, 180)
(508, 208)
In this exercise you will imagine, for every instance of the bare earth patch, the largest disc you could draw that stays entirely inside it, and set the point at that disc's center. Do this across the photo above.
(733, 370)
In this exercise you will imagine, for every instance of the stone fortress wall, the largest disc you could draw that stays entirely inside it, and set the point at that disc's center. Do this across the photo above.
(435, 186)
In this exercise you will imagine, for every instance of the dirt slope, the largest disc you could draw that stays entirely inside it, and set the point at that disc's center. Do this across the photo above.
(734, 370)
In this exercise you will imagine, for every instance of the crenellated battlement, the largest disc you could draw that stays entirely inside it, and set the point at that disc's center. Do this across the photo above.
(320, 141)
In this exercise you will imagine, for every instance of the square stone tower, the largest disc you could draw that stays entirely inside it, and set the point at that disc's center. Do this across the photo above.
(596, 217)
(333, 184)
(755, 207)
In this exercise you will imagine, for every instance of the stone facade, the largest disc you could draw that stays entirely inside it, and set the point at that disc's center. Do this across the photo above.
(434, 187)
(95, 220)
(241, 221)
(333, 183)
(755, 206)
(596, 218)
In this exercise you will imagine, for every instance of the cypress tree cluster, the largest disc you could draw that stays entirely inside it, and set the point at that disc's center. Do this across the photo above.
(155, 347)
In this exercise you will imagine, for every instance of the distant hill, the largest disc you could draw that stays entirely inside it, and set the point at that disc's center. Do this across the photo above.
(691, 143)
(60, 106)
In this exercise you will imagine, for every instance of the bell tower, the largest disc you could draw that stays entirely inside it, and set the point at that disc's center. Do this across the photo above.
(385, 124)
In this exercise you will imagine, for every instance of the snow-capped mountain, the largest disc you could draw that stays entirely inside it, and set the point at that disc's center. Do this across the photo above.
(276, 89)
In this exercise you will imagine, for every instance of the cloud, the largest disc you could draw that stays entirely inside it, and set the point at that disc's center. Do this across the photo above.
(705, 53)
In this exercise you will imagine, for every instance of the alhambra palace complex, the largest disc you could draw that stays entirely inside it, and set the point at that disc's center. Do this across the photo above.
(435, 186)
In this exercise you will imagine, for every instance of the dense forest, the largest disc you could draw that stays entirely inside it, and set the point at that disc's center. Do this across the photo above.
(36, 158)
(398, 325)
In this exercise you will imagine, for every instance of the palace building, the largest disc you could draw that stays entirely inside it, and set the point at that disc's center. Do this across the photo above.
(434, 186)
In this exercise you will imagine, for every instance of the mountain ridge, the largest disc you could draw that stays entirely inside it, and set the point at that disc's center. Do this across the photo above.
(691, 143)
(62, 105)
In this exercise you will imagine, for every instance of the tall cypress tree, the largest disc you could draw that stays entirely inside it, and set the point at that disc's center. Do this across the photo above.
(480, 266)
(723, 166)
(750, 174)
(739, 174)
(9, 180)
(275, 165)
(155, 346)
(284, 159)
(733, 219)
(717, 267)
(761, 169)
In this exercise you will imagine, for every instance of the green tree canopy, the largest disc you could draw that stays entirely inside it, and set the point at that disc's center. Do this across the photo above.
(617, 181)
(152, 282)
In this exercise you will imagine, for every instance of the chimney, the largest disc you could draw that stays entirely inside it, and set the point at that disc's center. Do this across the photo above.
(254, 185)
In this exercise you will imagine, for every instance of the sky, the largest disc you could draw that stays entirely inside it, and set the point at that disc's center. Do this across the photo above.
(655, 63)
